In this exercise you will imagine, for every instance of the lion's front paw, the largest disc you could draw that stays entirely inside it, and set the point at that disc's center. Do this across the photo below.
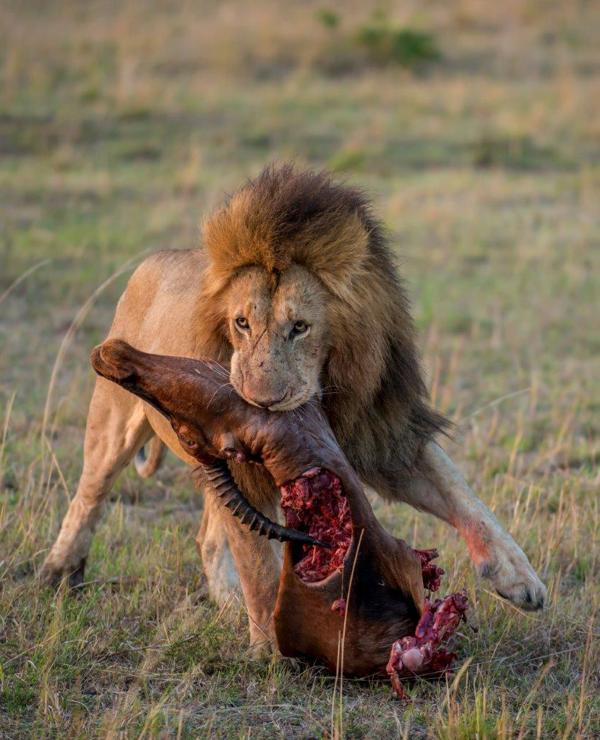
(52, 573)
(261, 650)
(513, 577)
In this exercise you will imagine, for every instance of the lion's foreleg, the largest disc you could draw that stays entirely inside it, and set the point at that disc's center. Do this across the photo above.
(213, 547)
(440, 489)
(116, 428)
(222, 539)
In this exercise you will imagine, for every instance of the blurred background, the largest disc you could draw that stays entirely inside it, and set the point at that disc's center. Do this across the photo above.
(475, 127)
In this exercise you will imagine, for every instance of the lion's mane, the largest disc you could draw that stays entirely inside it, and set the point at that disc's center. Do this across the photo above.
(376, 400)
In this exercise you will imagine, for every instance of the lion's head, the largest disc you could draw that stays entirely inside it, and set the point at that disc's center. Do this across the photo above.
(278, 331)
(301, 296)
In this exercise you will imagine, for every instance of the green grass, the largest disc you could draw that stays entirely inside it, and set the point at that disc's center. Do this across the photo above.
(119, 128)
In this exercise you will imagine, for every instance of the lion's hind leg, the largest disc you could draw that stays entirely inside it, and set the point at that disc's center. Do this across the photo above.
(116, 429)
(149, 457)
(217, 561)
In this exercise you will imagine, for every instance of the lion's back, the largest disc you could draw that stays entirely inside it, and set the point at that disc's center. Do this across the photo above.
(157, 308)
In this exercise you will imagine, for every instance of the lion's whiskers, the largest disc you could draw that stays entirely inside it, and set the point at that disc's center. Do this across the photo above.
(220, 388)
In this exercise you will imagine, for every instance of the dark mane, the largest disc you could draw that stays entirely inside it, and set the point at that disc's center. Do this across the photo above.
(379, 408)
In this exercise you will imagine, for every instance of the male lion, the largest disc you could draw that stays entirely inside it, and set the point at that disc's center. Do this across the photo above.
(294, 290)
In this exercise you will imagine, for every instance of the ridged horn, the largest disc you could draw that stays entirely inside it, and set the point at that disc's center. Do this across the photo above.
(223, 486)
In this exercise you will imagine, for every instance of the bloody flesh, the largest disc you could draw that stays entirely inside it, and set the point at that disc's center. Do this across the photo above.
(432, 573)
(423, 652)
(314, 503)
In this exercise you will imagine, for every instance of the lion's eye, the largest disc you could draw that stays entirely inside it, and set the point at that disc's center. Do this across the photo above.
(242, 323)
(299, 328)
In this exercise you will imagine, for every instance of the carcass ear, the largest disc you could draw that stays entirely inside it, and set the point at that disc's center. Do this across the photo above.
(190, 439)
(194, 441)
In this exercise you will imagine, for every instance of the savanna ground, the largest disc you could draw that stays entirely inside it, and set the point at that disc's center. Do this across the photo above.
(120, 125)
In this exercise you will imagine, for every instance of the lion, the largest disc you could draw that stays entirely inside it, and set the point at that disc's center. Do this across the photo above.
(295, 293)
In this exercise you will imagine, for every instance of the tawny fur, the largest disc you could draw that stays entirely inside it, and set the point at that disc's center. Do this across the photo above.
(288, 239)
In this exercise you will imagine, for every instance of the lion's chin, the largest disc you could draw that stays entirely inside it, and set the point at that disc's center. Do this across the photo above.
(289, 404)
(286, 404)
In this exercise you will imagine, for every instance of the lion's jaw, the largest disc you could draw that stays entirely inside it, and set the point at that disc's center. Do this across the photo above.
(273, 365)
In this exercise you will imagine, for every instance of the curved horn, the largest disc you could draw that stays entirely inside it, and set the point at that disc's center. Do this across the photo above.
(224, 487)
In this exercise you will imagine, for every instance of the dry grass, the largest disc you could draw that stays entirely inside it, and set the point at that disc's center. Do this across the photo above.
(121, 125)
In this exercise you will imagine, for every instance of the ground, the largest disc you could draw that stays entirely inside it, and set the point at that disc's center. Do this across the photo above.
(120, 126)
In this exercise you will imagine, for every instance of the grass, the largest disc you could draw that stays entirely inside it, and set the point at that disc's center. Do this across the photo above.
(121, 126)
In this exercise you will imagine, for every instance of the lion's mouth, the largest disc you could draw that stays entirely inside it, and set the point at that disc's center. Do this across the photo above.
(315, 504)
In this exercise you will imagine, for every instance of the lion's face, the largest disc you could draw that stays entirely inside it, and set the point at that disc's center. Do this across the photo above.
(278, 332)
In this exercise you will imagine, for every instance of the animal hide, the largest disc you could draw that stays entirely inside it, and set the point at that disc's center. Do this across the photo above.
(350, 595)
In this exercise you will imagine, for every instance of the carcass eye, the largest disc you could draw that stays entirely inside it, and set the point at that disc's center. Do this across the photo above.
(242, 323)
(299, 328)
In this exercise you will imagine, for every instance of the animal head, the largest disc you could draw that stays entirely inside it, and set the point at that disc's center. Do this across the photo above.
(277, 327)
(301, 296)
